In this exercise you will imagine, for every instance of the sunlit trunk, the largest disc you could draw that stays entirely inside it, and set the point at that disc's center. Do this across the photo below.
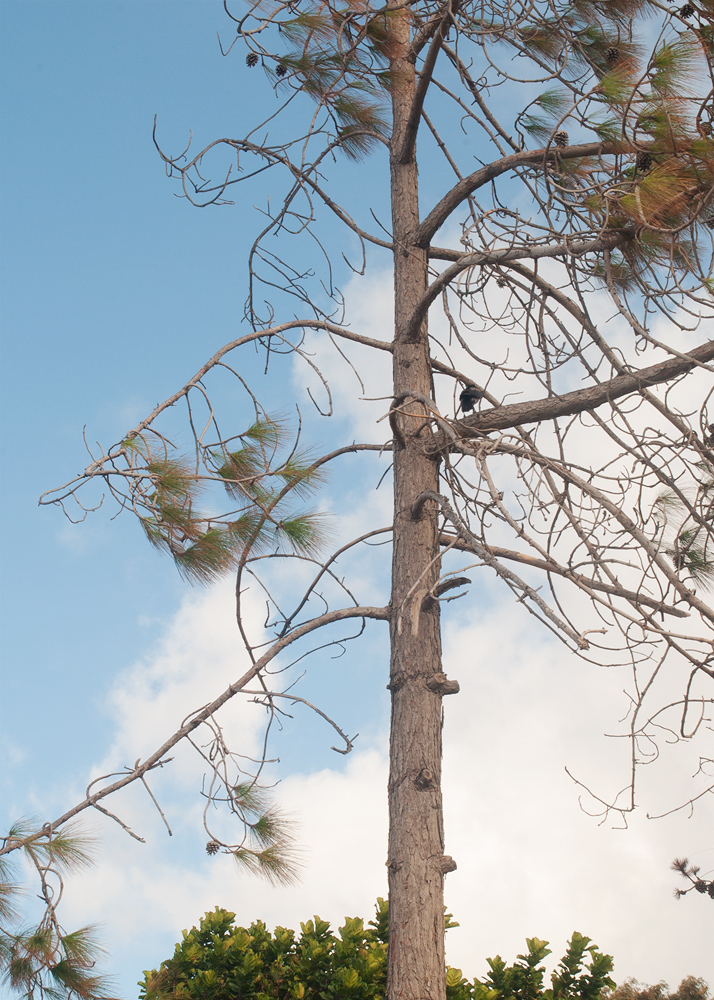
(416, 838)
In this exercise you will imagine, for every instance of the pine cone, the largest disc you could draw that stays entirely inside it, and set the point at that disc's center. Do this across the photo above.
(686, 11)
(281, 69)
(643, 162)
(704, 128)
(212, 847)
(560, 139)
(612, 55)
(251, 60)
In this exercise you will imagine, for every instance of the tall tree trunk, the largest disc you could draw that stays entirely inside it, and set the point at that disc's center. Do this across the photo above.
(416, 860)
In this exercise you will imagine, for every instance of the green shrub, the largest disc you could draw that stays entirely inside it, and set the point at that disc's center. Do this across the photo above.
(219, 961)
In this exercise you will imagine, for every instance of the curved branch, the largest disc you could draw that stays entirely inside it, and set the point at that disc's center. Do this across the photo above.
(425, 75)
(302, 175)
(571, 403)
(578, 579)
(566, 248)
(349, 741)
(526, 158)
(275, 331)
(156, 758)
(483, 552)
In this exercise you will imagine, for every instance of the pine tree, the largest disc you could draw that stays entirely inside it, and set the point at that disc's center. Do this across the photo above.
(528, 223)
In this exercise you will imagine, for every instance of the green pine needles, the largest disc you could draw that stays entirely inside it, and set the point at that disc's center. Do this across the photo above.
(339, 57)
(262, 488)
(268, 846)
(46, 961)
(656, 212)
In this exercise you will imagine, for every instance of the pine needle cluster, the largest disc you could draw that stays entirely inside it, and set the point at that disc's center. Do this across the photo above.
(337, 56)
(268, 847)
(693, 874)
(656, 197)
(45, 960)
(260, 485)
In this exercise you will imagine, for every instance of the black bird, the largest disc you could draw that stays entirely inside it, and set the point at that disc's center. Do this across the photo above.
(469, 397)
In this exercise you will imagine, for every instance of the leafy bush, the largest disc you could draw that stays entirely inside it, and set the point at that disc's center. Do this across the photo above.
(218, 960)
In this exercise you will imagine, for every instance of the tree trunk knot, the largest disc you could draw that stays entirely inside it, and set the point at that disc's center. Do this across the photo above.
(425, 779)
(447, 864)
(440, 684)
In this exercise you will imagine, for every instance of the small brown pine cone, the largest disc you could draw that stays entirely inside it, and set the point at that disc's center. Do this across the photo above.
(686, 11)
(643, 162)
(251, 60)
(612, 55)
(212, 847)
(281, 69)
(704, 128)
(560, 139)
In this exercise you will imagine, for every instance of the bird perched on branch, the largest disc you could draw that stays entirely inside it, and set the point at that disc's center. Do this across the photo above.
(469, 397)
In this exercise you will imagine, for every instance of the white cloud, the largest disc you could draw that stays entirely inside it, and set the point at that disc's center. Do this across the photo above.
(371, 314)
(199, 655)
(530, 862)
(145, 895)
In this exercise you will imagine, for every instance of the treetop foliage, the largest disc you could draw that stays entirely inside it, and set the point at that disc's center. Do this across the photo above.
(645, 204)
(691, 988)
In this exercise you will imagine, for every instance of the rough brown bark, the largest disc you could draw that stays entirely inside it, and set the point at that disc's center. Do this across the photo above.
(416, 860)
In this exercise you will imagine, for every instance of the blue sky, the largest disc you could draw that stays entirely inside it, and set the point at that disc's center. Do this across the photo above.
(114, 291)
